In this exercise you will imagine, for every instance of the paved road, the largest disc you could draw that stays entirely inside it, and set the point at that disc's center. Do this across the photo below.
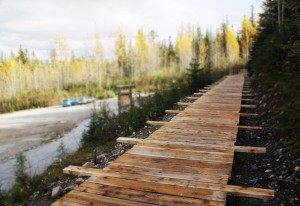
(24, 130)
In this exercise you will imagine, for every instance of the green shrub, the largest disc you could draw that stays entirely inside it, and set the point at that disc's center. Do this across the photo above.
(22, 188)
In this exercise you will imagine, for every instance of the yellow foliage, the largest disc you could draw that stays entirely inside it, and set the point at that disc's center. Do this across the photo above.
(232, 46)
(141, 44)
(184, 47)
(247, 37)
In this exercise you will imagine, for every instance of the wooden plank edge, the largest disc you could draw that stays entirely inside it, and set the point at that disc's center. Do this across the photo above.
(161, 123)
(173, 111)
(249, 127)
(248, 115)
(247, 149)
(156, 123)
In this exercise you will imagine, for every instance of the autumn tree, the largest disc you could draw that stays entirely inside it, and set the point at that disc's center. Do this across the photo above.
(121, 53)
(184, 47)
(99, 57)
(232, 46)
(247, 38)
(141, 55)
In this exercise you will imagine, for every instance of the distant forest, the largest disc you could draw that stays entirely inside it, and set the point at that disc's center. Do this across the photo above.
(146, 61)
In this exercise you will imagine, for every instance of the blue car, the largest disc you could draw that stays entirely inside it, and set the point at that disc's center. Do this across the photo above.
(73, 101)
(66, 103)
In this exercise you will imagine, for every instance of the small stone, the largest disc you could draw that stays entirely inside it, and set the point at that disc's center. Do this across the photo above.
(253, 180)
(69, 188)
(100, 156)
(79, 180)
(272, 176)
(297, 169)
(268, 171)
(56, 192)
(253, 167)
(88, 164)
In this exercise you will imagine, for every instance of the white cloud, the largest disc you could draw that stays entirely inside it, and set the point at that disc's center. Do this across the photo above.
(34, 23)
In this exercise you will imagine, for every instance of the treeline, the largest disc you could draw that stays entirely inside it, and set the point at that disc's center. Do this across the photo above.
(275, 58)
(145, 60)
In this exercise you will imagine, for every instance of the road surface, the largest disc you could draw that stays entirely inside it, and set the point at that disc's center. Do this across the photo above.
(24, 130)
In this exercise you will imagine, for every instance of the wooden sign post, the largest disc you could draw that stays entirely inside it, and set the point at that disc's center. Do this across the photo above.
(124, 96)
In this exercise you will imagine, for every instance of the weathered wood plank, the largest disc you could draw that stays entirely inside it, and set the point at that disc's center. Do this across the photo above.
(232, 189)
(142, 196)
(191, 146)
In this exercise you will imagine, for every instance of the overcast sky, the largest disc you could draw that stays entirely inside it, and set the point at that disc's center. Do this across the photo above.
(34, 23)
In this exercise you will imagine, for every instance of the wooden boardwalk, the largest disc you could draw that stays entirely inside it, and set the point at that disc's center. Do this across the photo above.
(185, 162)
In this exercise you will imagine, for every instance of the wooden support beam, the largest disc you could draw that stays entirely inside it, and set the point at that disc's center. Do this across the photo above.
(193, 98)
(236, 148)
(248, 115)
(250, 149)
(199, 93)
(127, 140)
(248, 106)
(184, 103)
(248, 95)
(230, 189)
(206, 90)
(248, 100)
(156, 123)
(173, 111)
(249, 127)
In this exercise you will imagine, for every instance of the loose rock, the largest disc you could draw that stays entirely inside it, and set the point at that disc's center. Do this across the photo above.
(88, 165)
(79, 180)
(56, 192)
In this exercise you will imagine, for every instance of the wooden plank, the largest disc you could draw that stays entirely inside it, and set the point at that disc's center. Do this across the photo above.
(203, 127)
(142, 196)
(192, 98)
(173, 111)
(250, 127)
(174, 169)
(129, 140)
(156, 123)
(194, 135)
(250, 149)
(160, 188)
(184, 103)
(85, 198)
(248, 115)
(231, 189)
(176, 145)
(215, 154)
(178, 162)
(248, 106)
(205, 177)
(191, 146)
(187, 155)
(248, 100)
